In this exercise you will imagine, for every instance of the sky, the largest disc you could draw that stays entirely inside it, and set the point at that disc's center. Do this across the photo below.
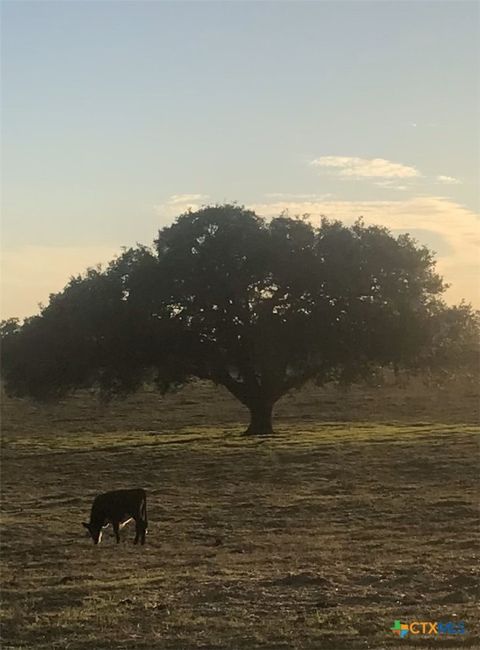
(117, 116)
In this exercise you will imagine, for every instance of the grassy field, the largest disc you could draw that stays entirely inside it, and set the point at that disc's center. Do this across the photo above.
(362, 509)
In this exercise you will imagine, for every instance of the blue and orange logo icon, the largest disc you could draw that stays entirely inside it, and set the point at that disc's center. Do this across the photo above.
(400, 629)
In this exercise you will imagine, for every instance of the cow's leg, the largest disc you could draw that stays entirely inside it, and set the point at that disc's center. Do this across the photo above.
(116, 530)
(140, 531)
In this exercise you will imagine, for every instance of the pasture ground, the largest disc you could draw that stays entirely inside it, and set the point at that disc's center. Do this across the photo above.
(362, 509)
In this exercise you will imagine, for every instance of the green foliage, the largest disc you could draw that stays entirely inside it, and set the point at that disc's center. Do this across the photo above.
(259, 307)
(454, 338)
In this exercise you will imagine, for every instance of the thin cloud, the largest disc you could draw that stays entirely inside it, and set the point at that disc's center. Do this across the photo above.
(448, 180)
(176, 199)
(290, 196)
(391, 185)
(354, 167)
(178, 204)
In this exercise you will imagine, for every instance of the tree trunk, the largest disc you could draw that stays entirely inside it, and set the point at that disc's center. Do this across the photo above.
(260, 419)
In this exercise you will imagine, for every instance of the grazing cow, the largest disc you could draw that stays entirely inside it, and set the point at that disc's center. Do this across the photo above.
(118, 508)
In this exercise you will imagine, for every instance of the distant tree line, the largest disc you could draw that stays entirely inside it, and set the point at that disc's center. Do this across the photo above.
(260, 307)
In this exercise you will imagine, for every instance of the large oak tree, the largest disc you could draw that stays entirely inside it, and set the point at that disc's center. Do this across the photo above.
(258, 307)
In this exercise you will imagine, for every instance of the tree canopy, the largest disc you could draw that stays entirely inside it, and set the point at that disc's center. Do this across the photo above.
(257, 306)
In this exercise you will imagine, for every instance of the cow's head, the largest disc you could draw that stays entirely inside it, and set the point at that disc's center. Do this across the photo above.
(95, 532)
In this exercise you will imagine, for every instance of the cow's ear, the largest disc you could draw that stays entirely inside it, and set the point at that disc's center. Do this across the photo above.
(85, 525)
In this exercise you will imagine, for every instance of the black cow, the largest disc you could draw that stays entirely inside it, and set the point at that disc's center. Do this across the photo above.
(118, 508)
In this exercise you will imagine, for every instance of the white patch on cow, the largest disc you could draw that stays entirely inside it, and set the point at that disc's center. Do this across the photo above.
(124, 523)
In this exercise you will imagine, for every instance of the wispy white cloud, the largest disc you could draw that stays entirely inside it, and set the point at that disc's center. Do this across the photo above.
(23, 289)
(390, 185)
(177, 204)
(292, 196)
(455, 224)
(429, 125)
(354, 167)
(181, 199)
(448, 180)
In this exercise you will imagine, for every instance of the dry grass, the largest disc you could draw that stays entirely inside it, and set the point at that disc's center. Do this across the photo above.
(318, 537)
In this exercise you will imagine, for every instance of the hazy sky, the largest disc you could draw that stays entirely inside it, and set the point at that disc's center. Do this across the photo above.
(119, 115)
